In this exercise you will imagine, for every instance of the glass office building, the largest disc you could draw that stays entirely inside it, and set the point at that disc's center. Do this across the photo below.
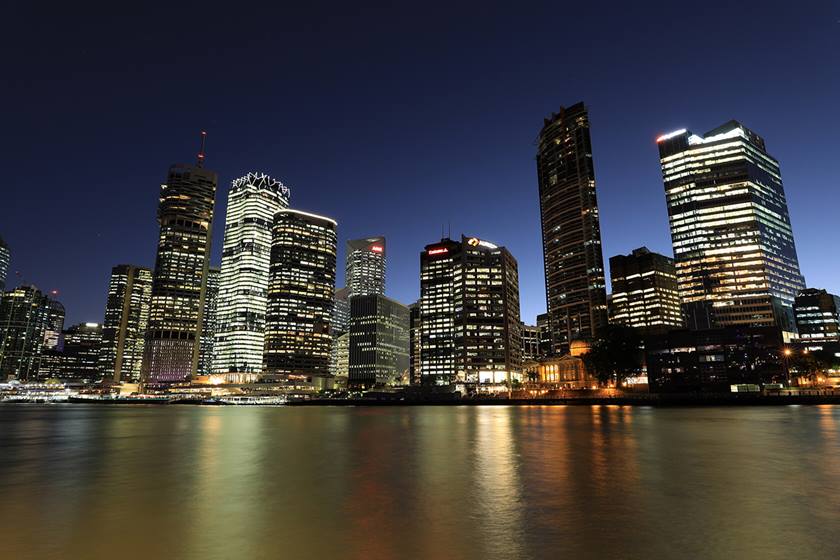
(733, 244)
(365, 268)
(576, 296)
(644, 292)
(300, 296)
(126, 322)
(243, 290)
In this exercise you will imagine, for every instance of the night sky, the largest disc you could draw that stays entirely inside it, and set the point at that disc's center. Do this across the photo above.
(395, 121)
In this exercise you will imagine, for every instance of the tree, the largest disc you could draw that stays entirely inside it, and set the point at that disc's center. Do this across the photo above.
(615, 355)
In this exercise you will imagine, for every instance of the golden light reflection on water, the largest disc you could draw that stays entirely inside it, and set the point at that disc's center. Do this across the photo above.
(421, 482)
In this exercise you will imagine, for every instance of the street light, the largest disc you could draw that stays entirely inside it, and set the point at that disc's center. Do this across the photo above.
(787, 352)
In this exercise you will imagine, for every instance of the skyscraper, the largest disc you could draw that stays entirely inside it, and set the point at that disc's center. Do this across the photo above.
(185, 215)
(469, 313)
(574, 265)
(365, 270)
(733, 244)
(80, 356)
(300, 296)
(644, 292)
(5, 259)
(341, 312)
(126, 322)
(378, 351)
(530, 342)
(23, 321)
(208, 322)
(243, 290)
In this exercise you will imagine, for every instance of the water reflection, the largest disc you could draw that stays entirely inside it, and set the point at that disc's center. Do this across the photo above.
(436, 482)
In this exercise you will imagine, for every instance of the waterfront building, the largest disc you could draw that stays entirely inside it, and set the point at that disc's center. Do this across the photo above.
(576, 294)
(469, 310)
(5, 259)
(365, 268)
(817, 315)
(530, 342)
(185, 215)
(733, 244)
(379, 339)
(644, 292)
(80, 357)
(562, 372)
(243, 288)
(209, 322)
(414, 334)
(126, 322)
(714, 359)
(23, 321)
(300, 296)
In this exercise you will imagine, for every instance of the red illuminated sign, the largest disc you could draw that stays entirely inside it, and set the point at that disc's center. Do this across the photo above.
(438, 251)
(376, 249)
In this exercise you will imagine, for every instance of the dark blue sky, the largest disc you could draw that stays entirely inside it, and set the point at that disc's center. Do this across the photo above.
(396, 120)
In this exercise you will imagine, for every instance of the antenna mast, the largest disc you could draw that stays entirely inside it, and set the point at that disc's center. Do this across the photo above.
(200, 162)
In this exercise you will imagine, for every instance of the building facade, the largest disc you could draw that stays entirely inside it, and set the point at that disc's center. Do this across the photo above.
(185, 215)
(365, 268)
(23, 322)
(530, 342)
(644, 292)
(469, 310)
(379, 342)
(576, 294)
(54, 326)
(300, 296)
(414, 335)
(5, 259)
(80, 360)
(243, 290)
(207, 350)
(733, 244)
(817, 315)
(126, 322)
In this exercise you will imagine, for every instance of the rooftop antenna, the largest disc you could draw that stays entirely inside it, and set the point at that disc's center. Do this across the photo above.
(200, 162)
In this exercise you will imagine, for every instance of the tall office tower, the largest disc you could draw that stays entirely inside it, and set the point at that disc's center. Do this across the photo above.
(209, 323)
(469, 309)
(414, 330)
(817, 315)
(23, 320)
(300, 296)
(530, 342)
(80, 358)
(378, 353)
(733, 244)
(644, 292)
(126, 322)
(5, 259)
(243, 290)
(185, 215)
(575, 288)
(365, 270)
(54, 325)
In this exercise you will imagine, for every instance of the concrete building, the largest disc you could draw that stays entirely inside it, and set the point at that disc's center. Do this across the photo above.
(379, 342)
(126, 322)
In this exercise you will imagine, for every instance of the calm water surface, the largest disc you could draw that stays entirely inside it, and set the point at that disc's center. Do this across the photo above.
(126, 482)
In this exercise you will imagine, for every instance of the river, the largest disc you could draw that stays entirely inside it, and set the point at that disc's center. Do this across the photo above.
(459, 482)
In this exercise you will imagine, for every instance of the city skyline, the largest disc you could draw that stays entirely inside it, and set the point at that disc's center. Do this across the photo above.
(444, 162)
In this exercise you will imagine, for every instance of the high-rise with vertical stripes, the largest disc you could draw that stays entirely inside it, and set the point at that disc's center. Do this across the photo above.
(575, 287)
(733, 244)
(126, 321)
(253, 201)
(185, 215)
